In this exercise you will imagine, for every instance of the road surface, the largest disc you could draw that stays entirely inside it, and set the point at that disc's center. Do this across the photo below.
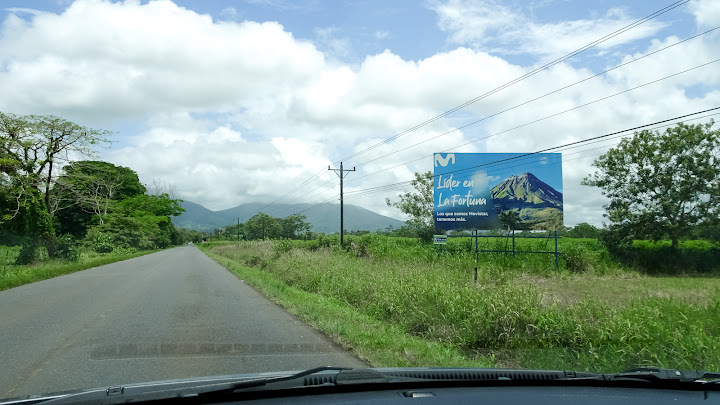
(171, 314)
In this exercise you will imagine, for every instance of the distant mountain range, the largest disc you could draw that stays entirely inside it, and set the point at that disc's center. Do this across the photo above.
(537, 202)
(325, 218)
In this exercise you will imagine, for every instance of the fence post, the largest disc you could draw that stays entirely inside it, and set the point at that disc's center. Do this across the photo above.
(556, 252)
(477, 252)
(475, 274)
(513, 243)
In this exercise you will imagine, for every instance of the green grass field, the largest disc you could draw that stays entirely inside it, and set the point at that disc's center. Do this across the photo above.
(591, 314)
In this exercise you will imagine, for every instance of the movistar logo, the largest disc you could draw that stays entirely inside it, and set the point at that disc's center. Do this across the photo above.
(444, 162)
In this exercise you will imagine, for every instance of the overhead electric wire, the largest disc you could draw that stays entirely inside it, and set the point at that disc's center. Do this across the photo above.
(508, 84)
(523, 77)
(505, 167)
(572, 145)
(539, 119)
(569, 145)
(536, 98)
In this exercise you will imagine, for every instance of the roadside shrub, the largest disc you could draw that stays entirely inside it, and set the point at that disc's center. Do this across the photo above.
(322, 242)
(359, 247)
(578, 259)
(100, 242)
(283, 246)
(126, 233)
(67, 248)
(28, 252)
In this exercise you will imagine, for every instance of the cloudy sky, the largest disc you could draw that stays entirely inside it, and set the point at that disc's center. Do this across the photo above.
(244, 101)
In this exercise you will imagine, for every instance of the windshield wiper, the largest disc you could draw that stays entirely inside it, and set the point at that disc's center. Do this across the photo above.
(664, 374)
(342, 376)
(182, 389)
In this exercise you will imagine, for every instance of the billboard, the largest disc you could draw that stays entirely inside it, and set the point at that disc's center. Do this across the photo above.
(487, 190)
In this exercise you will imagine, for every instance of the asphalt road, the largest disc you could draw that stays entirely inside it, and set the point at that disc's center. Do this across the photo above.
(172, 314)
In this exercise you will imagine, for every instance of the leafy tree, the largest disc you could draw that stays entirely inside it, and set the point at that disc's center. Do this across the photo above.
(583, 230)
(233, 232)
(152, 215)
(263, 226)
(31, 145)
(707, 230)
(294, 226)
(188, 235)
(661, 184)
(157, 205)
(88, 191)
(419, 205)
(32, 225)
(121, 232)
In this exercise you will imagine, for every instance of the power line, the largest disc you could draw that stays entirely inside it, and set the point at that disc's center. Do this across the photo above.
(572, 145)
(569, 145)
(533, 100)
(539, 119)
(508, 84)
(538, 98)
(523, 77)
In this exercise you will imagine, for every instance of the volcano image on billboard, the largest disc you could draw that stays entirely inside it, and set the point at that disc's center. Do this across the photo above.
(495, 190)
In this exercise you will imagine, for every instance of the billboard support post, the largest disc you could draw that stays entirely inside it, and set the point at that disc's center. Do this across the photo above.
(514, 243)
(472, 193)
(477, 236)
(477, 253)
(556, 251)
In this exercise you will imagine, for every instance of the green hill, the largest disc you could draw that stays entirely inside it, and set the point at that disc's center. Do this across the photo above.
(324, 218)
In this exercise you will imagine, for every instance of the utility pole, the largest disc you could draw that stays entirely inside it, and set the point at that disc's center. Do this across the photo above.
(341, 173)
(238, 229)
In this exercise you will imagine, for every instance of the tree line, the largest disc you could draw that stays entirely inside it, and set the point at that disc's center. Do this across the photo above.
(52, 194)
(262, 226)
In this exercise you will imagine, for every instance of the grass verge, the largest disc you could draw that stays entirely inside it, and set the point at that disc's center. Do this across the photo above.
(15, 276)
(520, 313)
(377, 343)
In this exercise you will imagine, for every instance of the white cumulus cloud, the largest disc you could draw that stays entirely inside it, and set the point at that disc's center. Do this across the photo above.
(234, 112)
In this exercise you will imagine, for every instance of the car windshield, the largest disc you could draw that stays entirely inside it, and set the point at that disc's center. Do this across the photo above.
(196, 189)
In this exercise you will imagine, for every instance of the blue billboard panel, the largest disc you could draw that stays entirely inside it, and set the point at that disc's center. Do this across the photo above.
(497, 190)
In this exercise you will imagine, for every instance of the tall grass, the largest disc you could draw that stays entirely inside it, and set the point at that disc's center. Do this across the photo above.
(433, 296)
(12, 275)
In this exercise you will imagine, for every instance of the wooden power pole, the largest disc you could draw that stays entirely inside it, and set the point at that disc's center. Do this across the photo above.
(341, 173)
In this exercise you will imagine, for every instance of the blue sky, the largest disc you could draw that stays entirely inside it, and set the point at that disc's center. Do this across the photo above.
(260, 97)
(406, 27)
